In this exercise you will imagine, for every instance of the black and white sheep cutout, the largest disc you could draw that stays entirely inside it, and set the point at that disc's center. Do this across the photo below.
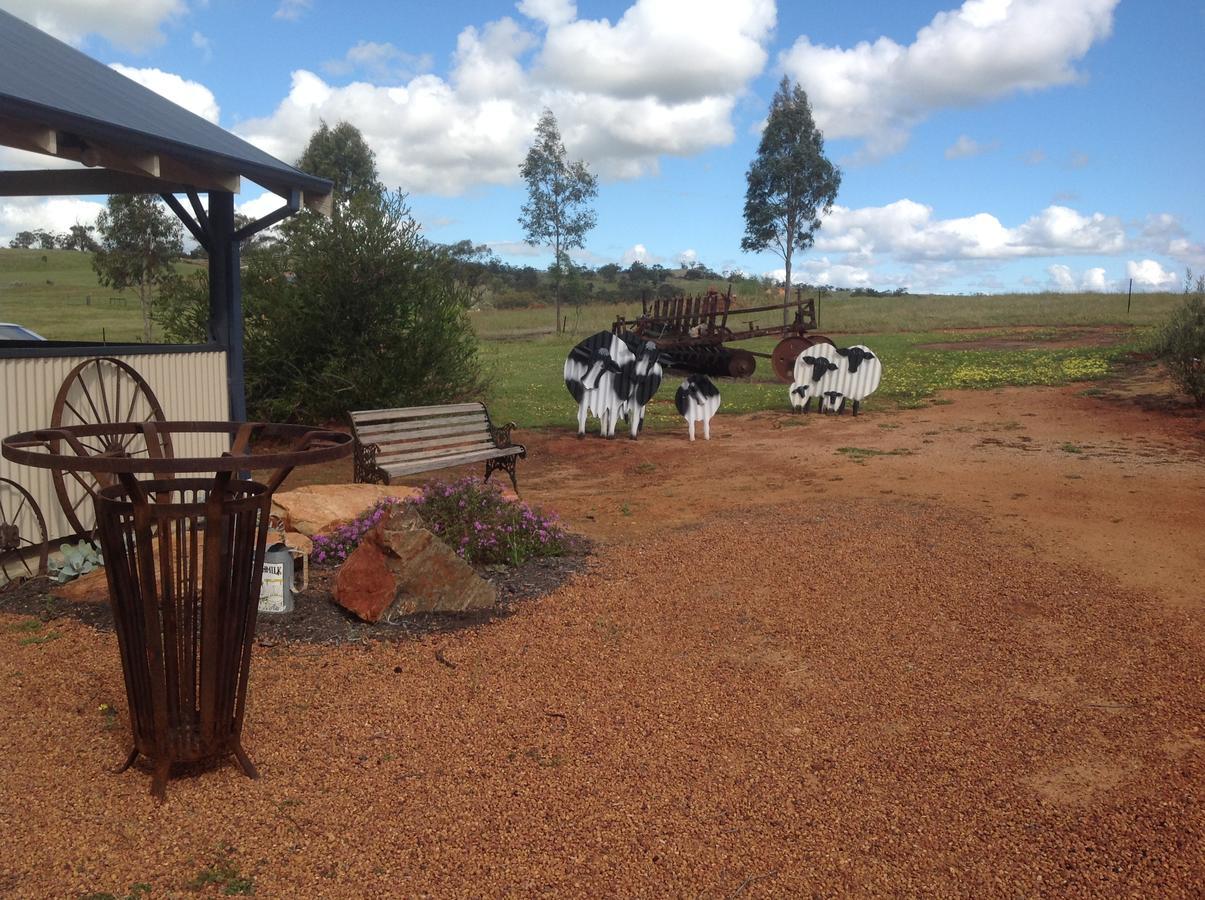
(835, 376)
(609, 377)
(697, 400)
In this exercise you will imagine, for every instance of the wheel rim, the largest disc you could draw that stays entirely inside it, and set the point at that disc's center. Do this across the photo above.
(784, 354)
(21, 521)
(101, 391)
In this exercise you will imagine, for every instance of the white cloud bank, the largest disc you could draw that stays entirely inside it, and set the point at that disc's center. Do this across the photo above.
(624, 93)
(984, 50)
(907, 230)
(191, 95)
(132, 24)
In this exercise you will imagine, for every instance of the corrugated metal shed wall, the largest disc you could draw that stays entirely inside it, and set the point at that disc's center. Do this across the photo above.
(189, 385)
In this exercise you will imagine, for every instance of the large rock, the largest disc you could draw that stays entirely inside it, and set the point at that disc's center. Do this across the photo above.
(317, 508)
(401, 568)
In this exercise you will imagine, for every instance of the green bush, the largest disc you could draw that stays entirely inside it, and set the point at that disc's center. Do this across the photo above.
(356, 311)
(1180, 343)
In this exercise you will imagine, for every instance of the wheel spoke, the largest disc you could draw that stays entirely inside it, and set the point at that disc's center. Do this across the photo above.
(82, 419)
(88, 396)
(104, 395)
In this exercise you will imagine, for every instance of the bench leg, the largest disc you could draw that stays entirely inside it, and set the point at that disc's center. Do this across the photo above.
(507, 464)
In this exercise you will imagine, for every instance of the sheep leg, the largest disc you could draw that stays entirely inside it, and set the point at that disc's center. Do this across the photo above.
(690, 422)
(706, 427)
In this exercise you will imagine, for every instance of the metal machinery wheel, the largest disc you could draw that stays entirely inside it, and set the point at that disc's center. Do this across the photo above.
(24, 546)
(102, 391)
(786, 351)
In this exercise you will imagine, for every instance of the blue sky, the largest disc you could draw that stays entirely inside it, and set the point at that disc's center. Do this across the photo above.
(986, 146)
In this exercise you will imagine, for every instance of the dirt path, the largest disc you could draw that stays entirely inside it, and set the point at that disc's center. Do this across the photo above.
(964, 663)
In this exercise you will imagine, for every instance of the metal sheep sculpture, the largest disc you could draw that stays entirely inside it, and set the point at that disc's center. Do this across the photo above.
(835, 376)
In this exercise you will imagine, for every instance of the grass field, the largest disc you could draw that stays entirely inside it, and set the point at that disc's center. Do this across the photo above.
(56, 294)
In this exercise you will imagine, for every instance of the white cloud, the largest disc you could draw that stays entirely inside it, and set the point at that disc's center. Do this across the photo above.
(673, 50)
(1063, 279)
(1147, 273)
(687, 258)
(382, 62)
(624, 94)
(292, 10)
(1163, 233)
(56, 214)
(824, 272)
(638, 253)
(984, 50)
(966, 146)
(202, 43)
(194, 97)
(133, 24)
(549, 12)
(908, 230)
(1095, 280)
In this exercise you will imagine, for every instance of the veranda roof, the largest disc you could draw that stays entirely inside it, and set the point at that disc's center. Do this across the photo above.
(58, 101)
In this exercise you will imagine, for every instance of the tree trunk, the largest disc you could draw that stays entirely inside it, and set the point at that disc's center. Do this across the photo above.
(786, 291)
(144, 303)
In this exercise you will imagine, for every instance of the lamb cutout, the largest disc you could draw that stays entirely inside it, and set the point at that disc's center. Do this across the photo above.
(639, 383)
(697, 400)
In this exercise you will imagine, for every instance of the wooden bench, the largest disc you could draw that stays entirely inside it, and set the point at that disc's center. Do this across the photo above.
(390, 443)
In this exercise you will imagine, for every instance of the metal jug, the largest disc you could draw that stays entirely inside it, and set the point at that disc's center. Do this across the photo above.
(278, 585)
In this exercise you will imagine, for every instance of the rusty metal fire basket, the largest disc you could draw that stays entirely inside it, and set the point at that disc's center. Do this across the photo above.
(184, 558)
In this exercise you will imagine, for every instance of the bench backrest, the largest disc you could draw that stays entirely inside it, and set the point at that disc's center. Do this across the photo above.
(423, 432)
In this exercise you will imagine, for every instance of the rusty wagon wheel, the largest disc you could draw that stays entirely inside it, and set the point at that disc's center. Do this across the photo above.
(23, 536)
(102, 391)
(784, 354)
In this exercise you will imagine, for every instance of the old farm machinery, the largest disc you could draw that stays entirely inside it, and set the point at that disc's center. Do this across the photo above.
(694, 333)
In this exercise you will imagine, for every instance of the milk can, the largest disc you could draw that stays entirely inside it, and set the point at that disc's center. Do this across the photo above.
(278, 584)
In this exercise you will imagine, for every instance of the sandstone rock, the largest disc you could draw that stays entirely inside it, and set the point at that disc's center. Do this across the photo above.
(294, 540)
(316, 508)
(399, 571)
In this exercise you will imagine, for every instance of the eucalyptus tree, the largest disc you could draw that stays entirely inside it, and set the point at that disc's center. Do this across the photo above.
(791, 183)
(557, 213)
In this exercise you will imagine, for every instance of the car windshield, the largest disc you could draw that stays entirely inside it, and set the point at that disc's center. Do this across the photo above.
(16, 333)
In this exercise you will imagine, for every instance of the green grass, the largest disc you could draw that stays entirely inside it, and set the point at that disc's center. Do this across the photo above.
(527, 384)
(523, 358)
(55, 292)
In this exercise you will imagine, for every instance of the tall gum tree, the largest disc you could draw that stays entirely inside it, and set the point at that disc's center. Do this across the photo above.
(557, 212)
(791, 183)
(139, 244)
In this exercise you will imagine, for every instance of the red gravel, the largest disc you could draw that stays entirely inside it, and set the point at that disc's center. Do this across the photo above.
(881, 688)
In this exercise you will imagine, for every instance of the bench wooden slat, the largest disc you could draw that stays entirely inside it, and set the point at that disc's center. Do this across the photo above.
(411, 424)
(448, 462)
(468, 442)
(416, 433)
(410, 412)
(431, 453)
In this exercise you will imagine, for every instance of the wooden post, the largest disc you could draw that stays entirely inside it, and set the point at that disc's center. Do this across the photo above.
(1130, 296)
(226, 297)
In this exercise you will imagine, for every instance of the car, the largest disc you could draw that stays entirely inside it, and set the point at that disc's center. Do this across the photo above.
(10, 331)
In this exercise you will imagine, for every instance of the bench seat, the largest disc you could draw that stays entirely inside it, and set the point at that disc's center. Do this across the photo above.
(391, 443)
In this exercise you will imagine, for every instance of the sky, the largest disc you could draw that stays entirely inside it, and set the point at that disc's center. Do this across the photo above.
(988, 146)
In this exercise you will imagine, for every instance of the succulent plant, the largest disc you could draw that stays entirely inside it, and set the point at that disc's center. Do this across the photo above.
(78, 559)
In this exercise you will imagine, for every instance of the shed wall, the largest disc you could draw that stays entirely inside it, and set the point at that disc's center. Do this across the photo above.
(189, 385)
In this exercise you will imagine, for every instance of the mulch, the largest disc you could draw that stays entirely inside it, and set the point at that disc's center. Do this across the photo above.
(317, 619)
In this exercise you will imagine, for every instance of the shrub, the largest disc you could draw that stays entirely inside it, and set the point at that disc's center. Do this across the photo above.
(1180, 343)
(357, 311)
(482, 526)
